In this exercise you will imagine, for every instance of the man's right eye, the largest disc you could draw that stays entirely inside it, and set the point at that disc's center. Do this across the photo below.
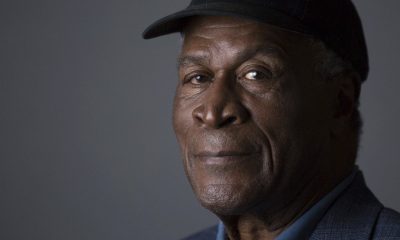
(197, 79)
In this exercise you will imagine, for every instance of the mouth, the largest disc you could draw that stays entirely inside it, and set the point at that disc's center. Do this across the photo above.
(224, 157)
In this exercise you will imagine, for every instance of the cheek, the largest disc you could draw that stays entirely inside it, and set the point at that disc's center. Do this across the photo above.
(270, 118)
(296, 126)
(269, 115)
(181, 126)
(182, 121)
(278, 116)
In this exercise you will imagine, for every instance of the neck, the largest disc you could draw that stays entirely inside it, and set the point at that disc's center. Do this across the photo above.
(267, 222)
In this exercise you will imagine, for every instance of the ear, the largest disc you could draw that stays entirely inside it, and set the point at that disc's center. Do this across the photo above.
(347, 95)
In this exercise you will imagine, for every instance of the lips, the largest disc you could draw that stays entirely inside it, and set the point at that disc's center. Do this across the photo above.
(223, 153)
(224, 157)
(222, 147)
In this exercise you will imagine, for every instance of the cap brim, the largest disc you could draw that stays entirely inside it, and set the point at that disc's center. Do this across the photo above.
(175, 22)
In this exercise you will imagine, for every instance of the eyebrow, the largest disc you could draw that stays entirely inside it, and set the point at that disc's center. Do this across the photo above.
(203, 59)
(186, 60)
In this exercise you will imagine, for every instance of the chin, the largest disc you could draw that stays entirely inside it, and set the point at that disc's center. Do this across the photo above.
(226, 200)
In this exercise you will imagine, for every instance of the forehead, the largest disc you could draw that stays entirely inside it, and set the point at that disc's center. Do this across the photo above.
(222, 33)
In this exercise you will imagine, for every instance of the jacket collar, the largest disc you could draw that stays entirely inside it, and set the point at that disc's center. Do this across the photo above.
(352, 215)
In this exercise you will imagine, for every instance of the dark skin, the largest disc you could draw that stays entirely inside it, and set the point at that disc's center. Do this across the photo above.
(262, 136)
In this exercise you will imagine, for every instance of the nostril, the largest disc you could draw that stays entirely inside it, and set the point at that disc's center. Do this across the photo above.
(199, 119)
(198, 114)
(217, 116)
(230, 120)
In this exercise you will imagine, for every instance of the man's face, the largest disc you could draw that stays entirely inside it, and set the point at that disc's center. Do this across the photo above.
(251, 115)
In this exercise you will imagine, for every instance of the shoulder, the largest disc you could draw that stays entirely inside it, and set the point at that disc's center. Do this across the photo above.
(387, 225)
(206, 234)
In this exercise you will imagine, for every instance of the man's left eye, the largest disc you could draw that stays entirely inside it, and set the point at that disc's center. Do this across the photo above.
(256, 75)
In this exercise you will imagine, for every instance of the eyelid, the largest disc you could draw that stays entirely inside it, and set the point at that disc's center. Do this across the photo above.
(273, 69)
(255, 68)
(188, 77)
(193, 69)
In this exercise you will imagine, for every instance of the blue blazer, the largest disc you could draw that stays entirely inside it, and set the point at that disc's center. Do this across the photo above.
(355, 215)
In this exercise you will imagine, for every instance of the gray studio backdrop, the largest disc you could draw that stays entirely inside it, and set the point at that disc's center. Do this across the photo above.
(87, 149)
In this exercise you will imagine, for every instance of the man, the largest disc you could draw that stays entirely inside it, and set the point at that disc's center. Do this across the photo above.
(266, 115)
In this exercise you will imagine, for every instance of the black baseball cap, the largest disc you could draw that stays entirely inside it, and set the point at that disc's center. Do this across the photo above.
(335, 22)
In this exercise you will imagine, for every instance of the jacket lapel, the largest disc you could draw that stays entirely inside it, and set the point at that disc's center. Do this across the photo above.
(352, 216)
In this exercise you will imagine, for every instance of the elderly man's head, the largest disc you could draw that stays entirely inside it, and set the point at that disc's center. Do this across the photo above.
(264, 116)
(266, 107)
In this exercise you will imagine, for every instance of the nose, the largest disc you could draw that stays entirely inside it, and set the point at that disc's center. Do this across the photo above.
(220, 107)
